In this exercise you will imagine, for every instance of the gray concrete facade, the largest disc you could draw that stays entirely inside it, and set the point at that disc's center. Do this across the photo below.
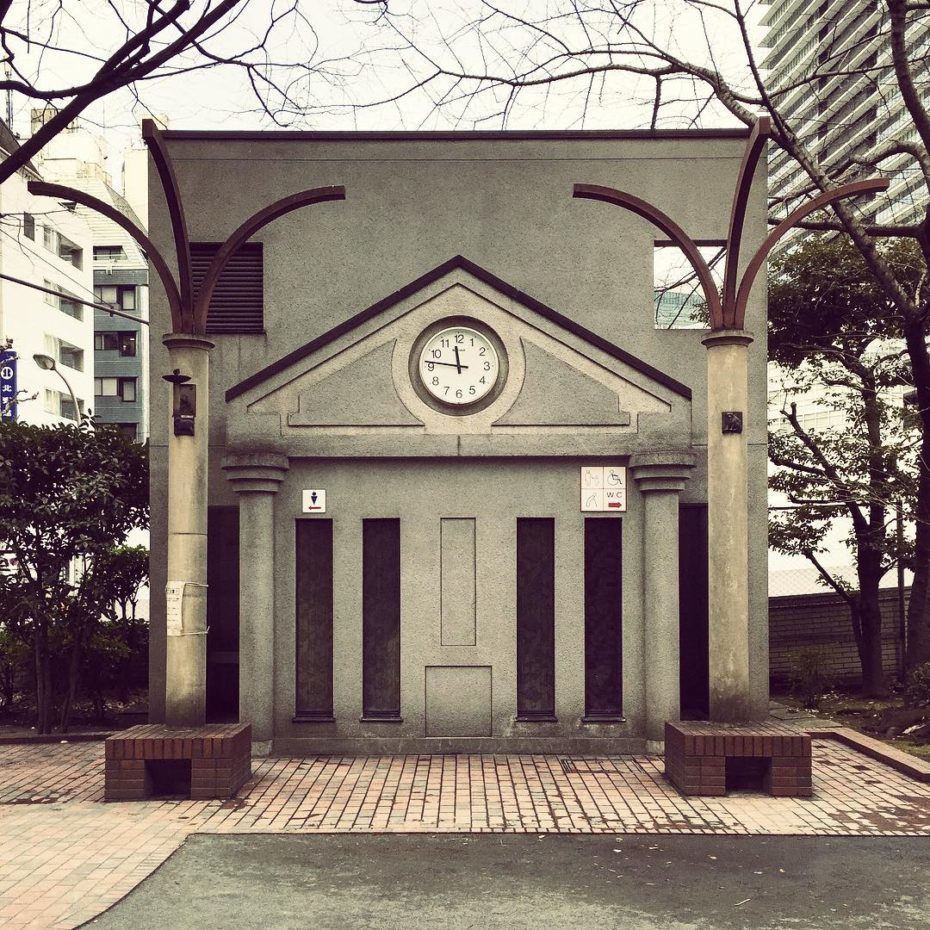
(325, 399)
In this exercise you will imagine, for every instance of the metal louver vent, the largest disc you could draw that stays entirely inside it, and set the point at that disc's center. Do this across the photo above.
(237, 305)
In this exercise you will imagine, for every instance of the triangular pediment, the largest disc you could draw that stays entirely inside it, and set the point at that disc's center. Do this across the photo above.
(361, 377)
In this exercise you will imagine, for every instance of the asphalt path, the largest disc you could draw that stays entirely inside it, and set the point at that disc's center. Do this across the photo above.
(492, 882)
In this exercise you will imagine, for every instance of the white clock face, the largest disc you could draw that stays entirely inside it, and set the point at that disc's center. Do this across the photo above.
(458, 366)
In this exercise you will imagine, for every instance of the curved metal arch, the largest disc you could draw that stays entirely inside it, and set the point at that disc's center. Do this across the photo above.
(178, 315)
(873, 186)
(671, 229)
(169, 182)
(755, 147)
(251, 226)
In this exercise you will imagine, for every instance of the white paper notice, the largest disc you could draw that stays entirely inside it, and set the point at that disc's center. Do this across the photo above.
(174, 596)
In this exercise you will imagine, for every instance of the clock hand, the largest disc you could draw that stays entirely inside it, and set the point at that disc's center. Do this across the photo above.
(459, 366)
(458, 363)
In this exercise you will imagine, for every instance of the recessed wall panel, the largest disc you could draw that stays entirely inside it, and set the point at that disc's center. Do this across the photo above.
(457, 583)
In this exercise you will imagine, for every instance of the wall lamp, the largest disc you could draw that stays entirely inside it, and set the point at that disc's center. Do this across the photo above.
(184, 403)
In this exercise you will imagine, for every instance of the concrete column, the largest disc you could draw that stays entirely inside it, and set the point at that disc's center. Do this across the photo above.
(728, 524)
(660, 477)
(256, 477)
(186, 649)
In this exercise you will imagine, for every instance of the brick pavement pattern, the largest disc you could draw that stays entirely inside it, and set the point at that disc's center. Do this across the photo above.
(65, 855)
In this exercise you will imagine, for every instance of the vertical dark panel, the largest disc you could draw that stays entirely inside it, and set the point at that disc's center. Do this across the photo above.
(381, 618)
(693, 612)
(603, 617)
(223, 614)
(536, 617)
(314, 649)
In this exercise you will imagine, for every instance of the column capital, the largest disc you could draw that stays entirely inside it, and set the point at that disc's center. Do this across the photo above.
(187, 341)
(666, 470)
(256, 471)
(727, 337)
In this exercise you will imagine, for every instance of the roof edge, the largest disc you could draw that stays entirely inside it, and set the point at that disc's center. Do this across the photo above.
(482, 274)
(461, 135)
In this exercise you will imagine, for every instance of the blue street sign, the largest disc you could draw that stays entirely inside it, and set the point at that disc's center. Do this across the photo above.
(8, 384)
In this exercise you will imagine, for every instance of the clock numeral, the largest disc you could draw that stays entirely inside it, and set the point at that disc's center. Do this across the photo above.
(444, 343)
(447, 389)
(459, 339)
(481, 380)
(436, 353)
(471, 389)
(435, 381)
(487, 366)
(458, 395)
(430, 366)
(481, 349)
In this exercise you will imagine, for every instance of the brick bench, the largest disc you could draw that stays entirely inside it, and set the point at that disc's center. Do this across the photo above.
(212, 761)
(712, 758)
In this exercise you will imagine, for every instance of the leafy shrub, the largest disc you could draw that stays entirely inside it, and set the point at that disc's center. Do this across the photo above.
(917, 693)
(808, 676)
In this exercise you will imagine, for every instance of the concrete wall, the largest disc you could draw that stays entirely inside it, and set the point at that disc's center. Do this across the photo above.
(504, 203)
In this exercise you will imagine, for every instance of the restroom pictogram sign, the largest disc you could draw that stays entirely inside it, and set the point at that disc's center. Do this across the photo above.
(314, 501)
(603, 488)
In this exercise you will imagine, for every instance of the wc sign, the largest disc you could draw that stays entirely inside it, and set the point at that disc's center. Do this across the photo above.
(7, 384)
(314, 501)
(603, 488)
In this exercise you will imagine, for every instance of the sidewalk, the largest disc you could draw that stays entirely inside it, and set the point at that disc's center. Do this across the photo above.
(65, 855)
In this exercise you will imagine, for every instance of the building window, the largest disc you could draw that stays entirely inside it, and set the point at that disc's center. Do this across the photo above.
(64, 301)
(29, 226)
(50, 238)
(70, 252)
(121, 296)
(56, 403)
(71, 356)
(678, 300)
(123, 342)
(123, 388)
(109, 253)
(129, 430)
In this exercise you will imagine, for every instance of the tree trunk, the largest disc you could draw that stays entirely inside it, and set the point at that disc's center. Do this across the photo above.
(43, 680)
(870, 652)
(74, 674)
(918, 616)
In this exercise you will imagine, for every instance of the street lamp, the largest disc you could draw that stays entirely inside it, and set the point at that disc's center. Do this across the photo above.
(47, 363)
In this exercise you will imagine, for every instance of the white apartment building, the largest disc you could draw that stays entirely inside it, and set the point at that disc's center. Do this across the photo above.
(49, 245)
(854, 108)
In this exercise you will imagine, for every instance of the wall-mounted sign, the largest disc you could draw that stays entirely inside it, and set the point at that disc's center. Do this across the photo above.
(603, 488)
(174, 602)
(314, 501)
(8, 384)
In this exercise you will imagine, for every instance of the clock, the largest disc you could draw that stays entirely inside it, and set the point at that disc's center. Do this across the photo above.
(458, 365)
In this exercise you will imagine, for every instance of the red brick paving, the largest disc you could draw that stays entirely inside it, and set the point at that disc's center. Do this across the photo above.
(65, 855)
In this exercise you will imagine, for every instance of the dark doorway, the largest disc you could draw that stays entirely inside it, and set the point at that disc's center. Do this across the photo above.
(603, 617)
(535, 618)
(223, 614)
(693, 612)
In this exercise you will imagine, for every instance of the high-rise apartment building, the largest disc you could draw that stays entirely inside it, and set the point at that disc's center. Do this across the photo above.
(47, 244)
(77, 157)
(829, 62)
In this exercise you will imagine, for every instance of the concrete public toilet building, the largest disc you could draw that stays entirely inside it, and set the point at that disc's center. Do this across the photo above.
(457, 477)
